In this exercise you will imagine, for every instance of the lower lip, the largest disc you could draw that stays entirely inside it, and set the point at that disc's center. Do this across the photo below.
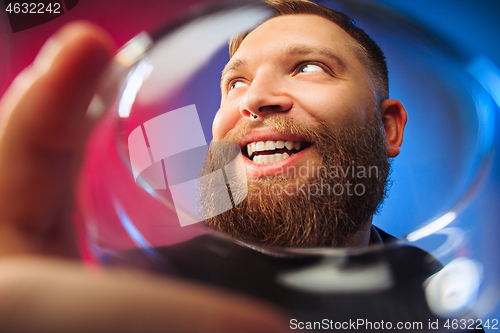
(271, 169)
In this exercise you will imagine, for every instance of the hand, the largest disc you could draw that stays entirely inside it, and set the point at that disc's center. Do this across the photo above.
(42, 136)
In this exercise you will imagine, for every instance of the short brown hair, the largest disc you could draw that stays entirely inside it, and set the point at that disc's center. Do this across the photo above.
(370, 53)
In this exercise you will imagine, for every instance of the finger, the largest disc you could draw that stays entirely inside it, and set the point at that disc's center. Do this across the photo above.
(41, 139)
(55, 296)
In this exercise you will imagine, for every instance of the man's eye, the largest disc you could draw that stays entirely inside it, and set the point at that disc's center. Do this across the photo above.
(237, 84)
(310, 68)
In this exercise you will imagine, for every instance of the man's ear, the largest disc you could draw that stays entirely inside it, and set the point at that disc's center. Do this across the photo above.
(394, 119)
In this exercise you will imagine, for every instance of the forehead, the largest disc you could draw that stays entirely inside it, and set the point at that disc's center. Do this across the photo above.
(279, 33)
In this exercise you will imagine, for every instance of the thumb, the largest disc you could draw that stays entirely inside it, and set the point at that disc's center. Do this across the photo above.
(43, 125)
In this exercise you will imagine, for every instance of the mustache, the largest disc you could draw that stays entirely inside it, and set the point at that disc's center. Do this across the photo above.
(280, 123)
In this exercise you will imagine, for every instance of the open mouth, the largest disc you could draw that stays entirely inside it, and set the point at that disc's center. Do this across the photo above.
(264, 152)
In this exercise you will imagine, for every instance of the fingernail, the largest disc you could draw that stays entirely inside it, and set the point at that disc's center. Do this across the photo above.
(47, 54)
(96, 108)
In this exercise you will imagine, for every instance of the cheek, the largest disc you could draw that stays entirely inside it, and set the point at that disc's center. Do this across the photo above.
(223, 122)
(333, 106)
(216, 126)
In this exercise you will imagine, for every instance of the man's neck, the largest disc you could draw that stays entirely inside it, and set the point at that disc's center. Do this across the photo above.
(362, 237)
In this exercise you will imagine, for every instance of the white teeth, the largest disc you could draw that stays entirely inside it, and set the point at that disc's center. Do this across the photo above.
(251, 148)
(271, 145)
(272, 158)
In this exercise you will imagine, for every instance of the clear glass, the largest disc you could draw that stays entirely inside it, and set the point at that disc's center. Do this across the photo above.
(161, 96)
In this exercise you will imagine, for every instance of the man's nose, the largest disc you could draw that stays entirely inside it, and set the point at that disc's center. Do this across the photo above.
(266, 95)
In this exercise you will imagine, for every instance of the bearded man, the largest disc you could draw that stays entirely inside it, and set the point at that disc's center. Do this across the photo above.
(305, 97)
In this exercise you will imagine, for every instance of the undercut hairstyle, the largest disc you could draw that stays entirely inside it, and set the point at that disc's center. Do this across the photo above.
(368, 50)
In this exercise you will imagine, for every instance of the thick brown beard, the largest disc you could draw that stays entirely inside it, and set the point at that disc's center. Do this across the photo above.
(314, 215)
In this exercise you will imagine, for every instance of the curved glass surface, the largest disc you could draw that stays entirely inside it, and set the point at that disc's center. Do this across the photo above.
(161, 96)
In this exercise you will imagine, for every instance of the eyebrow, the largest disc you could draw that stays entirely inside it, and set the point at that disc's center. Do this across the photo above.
(304, 50)
(232, 66)
(298, 49)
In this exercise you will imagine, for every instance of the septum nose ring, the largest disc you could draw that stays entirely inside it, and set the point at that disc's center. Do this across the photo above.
(254, 116)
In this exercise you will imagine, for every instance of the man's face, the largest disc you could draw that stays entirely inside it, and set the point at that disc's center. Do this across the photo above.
(301, 66)
(316, 109)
